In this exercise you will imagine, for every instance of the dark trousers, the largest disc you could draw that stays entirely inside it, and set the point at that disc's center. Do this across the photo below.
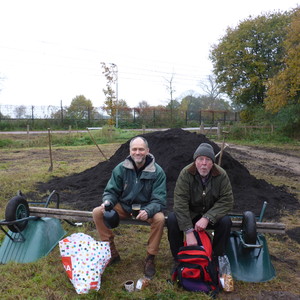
(221, 234)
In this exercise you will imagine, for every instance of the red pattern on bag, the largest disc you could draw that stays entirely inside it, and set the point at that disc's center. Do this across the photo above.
(67, 262)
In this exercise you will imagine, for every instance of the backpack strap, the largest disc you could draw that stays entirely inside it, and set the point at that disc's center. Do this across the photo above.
(203, 239)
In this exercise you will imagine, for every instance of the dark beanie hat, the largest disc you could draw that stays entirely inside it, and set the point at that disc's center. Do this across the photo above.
(205, 150)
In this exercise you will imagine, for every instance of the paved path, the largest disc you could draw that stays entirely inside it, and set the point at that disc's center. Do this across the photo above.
(97, 128)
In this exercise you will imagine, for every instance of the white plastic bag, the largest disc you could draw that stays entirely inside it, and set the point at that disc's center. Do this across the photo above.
(225, 273)
(84, 260)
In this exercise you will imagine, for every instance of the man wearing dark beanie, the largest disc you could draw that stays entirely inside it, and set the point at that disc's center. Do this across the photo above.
(202, 199)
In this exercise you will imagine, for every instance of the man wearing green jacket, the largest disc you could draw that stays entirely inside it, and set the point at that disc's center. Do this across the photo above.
(136, 180)
(202, 199)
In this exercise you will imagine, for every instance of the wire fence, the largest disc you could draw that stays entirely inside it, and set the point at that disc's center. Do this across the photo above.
(60, 117)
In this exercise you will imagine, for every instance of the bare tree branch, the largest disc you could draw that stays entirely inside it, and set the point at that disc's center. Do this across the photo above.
(210, 87)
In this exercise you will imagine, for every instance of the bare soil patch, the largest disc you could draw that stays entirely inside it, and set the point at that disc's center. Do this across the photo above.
(274, 161)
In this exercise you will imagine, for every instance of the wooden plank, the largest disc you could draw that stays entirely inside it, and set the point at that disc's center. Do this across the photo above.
(86, 216)
(64, 214)
(262, 227)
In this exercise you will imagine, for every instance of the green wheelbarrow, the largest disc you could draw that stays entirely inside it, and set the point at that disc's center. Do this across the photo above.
(28, 238)
(248, 253)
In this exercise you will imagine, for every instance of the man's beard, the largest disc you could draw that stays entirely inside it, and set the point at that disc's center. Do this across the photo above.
(203, 172)
(139, 160)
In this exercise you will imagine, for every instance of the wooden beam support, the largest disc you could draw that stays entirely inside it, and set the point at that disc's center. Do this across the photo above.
(86, 216)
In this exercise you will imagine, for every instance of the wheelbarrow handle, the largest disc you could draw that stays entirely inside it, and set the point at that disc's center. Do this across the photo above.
(4, 222)
(245, 245)
(262, 212)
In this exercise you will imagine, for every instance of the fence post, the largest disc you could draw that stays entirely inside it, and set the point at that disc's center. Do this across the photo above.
(32, 113)
(50, 151)
(202, 128)
(61, 112)
(28, 135)
(219, 130)
(186, 117)
(144, 127)
(89, 114)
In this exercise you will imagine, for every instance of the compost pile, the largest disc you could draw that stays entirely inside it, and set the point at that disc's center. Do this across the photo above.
(173, 149)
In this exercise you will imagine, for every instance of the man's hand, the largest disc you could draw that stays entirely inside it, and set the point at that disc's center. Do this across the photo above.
(190, 239)
(201, 224)
(102, 206)
(143, 215)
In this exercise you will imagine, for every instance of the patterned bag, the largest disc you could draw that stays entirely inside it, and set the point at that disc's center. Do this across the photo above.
(84, 260)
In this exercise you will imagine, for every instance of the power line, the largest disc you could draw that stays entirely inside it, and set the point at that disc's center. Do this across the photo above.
(184, 69)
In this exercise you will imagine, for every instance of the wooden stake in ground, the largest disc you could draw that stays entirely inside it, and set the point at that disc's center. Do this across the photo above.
(222, 147)
(28, 136)
(226, 145)
(50, 152)
(96, 143)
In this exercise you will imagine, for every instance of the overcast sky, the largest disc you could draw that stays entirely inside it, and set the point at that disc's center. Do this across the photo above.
(50, 51)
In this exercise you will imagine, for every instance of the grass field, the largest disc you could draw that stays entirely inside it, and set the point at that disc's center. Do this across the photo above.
(21, 168)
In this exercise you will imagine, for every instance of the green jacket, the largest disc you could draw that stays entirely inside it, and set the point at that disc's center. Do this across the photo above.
(147, 188)
(191, 198)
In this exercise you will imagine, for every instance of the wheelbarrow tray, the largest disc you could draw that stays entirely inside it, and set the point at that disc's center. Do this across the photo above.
(37, 240)
(250, 264)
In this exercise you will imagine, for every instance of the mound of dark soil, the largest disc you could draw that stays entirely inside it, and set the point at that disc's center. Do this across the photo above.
(173, 149)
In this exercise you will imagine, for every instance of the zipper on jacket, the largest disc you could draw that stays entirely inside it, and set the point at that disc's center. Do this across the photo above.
(203, 197)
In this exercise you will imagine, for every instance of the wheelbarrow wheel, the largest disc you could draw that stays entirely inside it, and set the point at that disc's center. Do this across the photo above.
(16, 209)
(249, 232)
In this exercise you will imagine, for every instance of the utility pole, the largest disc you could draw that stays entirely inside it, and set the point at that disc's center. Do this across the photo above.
(61, 112)
(171, 91)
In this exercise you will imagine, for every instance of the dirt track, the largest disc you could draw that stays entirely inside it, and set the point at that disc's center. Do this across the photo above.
(280, 167)
(277, 166)
(279, 162)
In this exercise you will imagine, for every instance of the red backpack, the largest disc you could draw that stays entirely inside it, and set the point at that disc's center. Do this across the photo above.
(196, 270)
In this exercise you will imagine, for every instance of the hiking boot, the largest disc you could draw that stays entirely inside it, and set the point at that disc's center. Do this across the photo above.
(149, 268)
(115, 257)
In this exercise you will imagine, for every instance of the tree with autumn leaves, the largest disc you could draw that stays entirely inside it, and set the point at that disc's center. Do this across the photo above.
(257, 64)
(110, 72)
(284, 88)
